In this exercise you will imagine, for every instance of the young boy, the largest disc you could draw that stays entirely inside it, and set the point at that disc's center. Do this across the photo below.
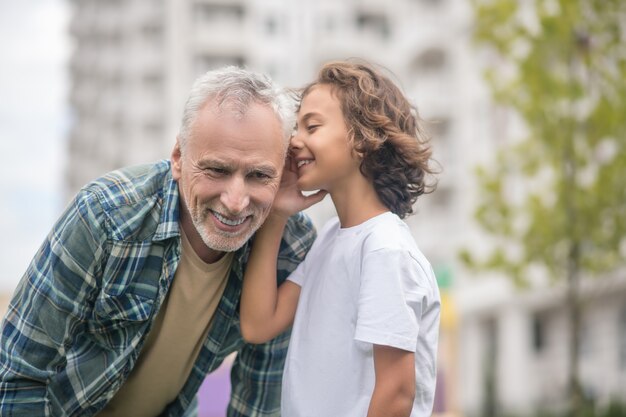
(365, 300)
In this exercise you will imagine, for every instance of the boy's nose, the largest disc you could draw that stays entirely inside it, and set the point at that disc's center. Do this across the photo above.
(295, 142)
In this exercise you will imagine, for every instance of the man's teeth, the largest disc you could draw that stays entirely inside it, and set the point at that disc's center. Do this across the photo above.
(229, 222)
(304, 162)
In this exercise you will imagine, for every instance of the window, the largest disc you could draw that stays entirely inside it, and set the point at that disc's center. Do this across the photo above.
(115, 80)
(153, 129)
(152, 33)
(439, 130)
(328, 24)
(444, 151)
(431, 60)
(490, 371)
(271, 25)
(218, 14)
(584, 339)
(538, 333)
(440, 127)
(431, 2)
(205, 63)
(118, 125)
(153, 82)
(375, 24)
(443, 195)
(622, 338)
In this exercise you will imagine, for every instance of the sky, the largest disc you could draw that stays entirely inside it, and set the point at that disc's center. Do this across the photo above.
(34, 121)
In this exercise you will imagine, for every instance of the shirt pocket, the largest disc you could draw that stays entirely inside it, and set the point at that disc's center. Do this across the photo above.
(123, 308)
(130, 284)
(118, 319)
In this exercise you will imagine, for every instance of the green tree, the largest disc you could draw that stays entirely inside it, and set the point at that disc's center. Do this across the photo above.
(555, 200)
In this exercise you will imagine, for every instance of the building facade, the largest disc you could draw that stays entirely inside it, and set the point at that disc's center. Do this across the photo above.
(135, 61)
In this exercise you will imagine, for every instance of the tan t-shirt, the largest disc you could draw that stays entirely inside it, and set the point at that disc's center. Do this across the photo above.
(175, 340)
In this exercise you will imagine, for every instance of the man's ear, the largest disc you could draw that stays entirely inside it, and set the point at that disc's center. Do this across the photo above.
(176, 160)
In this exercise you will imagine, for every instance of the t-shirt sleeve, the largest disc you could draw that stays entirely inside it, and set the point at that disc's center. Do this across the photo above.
(297, 276)
(394, 291)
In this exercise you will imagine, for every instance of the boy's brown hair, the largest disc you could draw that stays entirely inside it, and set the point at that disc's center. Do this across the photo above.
(386, 132)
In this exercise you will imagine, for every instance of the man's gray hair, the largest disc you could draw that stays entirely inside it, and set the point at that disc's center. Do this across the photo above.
(234, 89)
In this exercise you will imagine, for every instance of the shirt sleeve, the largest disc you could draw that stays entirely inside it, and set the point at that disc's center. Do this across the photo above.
(46, 310)
(257, 372)
(391, 299)
(299, 237)
(256, 379)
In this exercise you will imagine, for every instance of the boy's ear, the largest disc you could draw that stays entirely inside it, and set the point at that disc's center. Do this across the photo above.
(352, 143)
(358, 154)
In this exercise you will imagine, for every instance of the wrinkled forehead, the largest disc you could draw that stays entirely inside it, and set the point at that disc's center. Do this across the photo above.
(257, 130)
(238, 108)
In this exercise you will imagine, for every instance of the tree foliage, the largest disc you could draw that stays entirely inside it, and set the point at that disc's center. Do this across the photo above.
(555, 199)
(560, 65)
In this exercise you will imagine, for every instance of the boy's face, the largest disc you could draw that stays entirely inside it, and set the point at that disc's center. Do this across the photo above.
(320, 146)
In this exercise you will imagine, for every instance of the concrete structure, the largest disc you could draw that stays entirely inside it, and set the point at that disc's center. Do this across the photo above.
(135, 61)
(520, 341)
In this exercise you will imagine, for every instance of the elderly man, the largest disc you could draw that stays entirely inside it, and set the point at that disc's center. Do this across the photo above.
(133, 297)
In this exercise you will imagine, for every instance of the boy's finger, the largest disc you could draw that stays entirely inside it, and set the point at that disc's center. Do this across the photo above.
(315, 197)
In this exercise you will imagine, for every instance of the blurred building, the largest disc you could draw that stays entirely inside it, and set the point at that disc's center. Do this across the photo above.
(133, 65)
(514, 345)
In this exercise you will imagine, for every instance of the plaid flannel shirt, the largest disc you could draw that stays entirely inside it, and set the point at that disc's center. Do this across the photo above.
(81, 313)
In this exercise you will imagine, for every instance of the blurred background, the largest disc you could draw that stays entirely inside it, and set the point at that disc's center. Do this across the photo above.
(524, 100)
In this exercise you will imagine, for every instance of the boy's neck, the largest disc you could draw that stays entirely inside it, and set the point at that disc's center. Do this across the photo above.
(357, 203)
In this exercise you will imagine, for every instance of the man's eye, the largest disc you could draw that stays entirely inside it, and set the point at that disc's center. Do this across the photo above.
(216, 171)
(261, 176)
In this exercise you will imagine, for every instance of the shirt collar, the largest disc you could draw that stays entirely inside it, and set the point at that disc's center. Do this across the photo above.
(170, 213)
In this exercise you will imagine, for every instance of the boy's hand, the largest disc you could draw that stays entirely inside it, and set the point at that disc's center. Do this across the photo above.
(289, 199)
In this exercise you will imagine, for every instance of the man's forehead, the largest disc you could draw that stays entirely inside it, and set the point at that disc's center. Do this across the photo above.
(254, 138)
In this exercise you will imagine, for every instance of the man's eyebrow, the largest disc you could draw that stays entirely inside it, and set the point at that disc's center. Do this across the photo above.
(268, 170)
(214, 163)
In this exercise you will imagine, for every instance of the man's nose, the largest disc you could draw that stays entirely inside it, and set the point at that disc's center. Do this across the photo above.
(236, 197)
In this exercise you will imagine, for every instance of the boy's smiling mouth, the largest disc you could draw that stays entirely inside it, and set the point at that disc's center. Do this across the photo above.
(304, 162)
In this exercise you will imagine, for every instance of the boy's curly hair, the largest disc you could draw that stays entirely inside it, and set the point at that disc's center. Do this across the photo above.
(386, 132)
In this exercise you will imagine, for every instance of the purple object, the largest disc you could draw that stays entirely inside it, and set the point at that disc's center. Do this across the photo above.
(214, 392)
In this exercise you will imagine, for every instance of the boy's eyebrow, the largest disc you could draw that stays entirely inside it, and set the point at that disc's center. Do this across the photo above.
(307, 116)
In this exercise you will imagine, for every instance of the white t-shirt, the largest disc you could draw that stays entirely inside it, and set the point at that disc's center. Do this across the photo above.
(363, 285)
